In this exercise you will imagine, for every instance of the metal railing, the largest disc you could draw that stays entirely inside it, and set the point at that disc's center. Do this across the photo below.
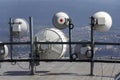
(31, 60)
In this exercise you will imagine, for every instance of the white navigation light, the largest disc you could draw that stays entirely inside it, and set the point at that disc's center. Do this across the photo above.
(103, 21)
(20, 27)
(3, 51)
(51, 51)
(61, 20)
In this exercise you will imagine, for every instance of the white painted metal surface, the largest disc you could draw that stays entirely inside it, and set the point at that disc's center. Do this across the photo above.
(103, 18)
(20, 28)
(61, 20)
(3, 51)
(51, 51)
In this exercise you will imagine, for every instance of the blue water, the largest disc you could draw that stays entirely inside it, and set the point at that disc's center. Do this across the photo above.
(79, 11)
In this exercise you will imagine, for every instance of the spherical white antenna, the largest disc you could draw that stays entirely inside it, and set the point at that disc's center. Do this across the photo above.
(20, 27)
(61, 20)
(103, 20)
(51, 51)
(3, 51)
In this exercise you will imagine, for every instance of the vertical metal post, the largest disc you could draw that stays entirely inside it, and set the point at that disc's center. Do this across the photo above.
(92, 46)
(0, 65)
(31, 47)
(70, 49)
(11, 37)
(37, 55)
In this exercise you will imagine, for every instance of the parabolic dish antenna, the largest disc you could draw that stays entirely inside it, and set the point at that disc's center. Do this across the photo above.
(51, 51)
(82, 51)
(3, 51)
(20, 27)
(103, 20)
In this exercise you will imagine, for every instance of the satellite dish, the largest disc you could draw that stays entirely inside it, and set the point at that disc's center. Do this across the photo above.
(51, 51)
(83, 51)
(103, 21)
(20, 27)
(3, 51)
(61, 20)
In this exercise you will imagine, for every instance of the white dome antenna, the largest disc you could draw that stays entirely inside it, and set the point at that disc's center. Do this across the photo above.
(102, 21)
(83, 51)
(51, 51)
(20, 27)
(3, 51)
(61, 20)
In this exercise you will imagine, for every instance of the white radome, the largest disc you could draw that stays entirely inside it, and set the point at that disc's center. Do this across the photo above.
(3, 51)
(108, 21)
(60, 20)
(22, 28)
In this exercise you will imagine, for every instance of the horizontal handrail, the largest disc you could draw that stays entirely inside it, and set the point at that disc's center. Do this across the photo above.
(60, 60)
(96, 43)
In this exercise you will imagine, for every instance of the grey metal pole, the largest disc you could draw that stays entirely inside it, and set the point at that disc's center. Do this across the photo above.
(0, 65)
(71, 26)
(70, 51)
(11, 37)
(92, 46)
(32, 66)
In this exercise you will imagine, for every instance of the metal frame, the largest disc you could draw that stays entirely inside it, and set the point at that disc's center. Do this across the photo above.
(60, 60)
(11, 38)
(92, 45)
(32, 43)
